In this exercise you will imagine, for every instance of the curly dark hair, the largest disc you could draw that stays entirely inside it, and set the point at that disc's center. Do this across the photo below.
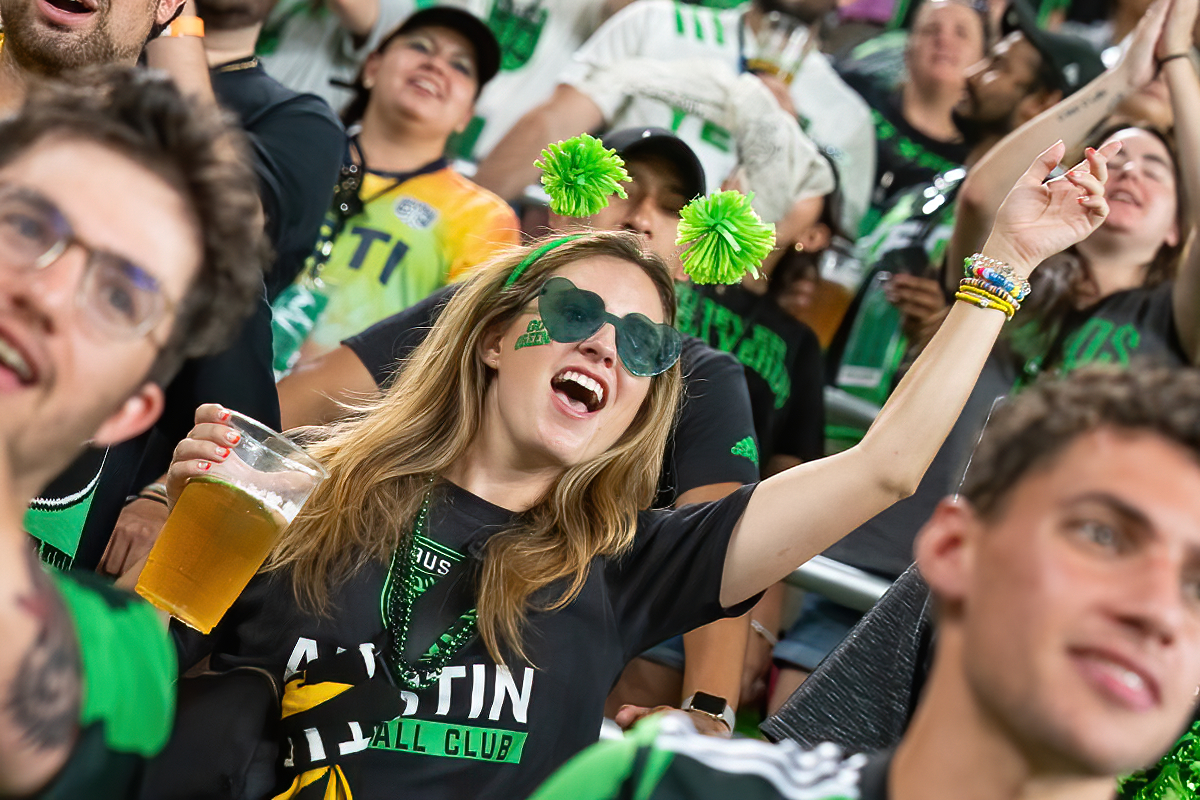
(197, 150)
(1028, 432)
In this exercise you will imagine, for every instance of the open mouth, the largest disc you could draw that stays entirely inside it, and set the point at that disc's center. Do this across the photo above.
(14, 360)
(71, 6)
(580, 392)
(1122, 196)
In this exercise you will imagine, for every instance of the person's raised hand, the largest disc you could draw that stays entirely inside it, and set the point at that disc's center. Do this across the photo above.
(208, 443)
(1176, 37)
(1039, 218)
(1138, 60)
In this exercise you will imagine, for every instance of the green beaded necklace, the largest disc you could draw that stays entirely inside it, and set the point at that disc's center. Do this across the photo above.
(400, 591)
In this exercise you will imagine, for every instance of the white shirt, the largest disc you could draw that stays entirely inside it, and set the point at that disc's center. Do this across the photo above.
(831, 112)
(537, 38)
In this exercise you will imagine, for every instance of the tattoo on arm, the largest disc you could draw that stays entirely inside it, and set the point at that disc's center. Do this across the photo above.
(45, 695)
(1079, 104)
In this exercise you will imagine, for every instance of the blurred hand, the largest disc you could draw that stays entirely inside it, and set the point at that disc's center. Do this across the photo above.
(1039, 218)
(137, 529)
(1176, 36)
(919, 300)
(781, 91)
(1138, 61)
(628, 716)
(756, 670)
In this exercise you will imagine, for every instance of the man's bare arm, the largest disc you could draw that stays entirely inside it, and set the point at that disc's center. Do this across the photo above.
(509, 168)
(40, 674)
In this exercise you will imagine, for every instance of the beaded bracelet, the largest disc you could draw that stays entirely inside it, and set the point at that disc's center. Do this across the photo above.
(998, 274)
(988, 293)
(992, 289)
(1007, 308)
(980, 302)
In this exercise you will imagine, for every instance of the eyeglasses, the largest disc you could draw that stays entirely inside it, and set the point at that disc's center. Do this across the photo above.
(571, 314)
(120, 299)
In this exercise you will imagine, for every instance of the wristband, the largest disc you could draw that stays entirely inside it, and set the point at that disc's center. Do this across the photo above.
(762, 631)
(184, 26)
(980, 302)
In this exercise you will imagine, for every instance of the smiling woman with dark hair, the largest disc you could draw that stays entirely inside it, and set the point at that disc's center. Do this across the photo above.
(402, 223)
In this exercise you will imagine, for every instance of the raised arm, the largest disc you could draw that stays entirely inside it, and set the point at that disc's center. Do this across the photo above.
(795, 515)
(509, 168)
(1069, 121)
(1184, 86)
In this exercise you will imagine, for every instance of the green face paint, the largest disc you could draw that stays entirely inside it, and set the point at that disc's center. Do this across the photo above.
(534, 335)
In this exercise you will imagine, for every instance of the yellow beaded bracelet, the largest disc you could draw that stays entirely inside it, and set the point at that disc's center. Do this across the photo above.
(980, 302)
(982, 294)
(993, 290)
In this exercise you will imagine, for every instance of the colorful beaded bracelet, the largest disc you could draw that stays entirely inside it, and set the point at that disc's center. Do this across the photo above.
(998, 274)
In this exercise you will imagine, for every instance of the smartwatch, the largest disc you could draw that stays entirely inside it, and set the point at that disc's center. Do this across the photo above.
(711, 705)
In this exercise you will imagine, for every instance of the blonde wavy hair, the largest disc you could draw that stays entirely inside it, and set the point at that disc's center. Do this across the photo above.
(380, 460)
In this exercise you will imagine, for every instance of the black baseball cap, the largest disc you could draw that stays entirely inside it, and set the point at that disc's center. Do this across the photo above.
(630, 142)
(487, 49)
(1072, 62)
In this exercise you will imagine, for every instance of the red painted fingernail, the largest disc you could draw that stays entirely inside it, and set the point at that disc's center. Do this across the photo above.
(204, 466)
(1080, 199)
(233, 437)
(222, 451)
(223, 416)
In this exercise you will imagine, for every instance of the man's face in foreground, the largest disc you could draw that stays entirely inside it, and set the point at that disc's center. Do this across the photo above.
(50, 36)
(65, 376)
(1078, 606)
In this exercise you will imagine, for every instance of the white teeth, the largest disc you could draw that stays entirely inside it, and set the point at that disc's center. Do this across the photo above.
(590, 384)
(12, 359)
(1131, 679)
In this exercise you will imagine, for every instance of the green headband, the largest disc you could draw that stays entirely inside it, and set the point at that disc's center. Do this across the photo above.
(535, 254)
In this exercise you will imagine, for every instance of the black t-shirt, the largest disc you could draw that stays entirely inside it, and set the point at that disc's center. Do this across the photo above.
(1136, 325)
(904, 155)
(782, 360)
(713, 440)
(482, 730)
(1133, 325)
(297, 143)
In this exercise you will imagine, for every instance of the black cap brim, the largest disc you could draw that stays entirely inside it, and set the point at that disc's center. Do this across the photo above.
(630, 142)
(1073, 61)
(487, 49)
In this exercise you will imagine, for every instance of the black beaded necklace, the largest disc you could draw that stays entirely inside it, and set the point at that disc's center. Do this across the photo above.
(400, 591)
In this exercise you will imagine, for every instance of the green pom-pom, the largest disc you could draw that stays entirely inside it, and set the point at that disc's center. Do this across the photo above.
(580, 174)
(727, 238)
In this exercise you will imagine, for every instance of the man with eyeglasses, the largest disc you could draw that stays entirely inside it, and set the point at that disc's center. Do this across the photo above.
(130, 239)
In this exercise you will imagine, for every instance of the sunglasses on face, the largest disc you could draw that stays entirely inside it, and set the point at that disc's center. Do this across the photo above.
(571, 314)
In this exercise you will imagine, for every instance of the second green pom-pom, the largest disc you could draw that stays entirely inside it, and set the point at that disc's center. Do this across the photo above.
(580, 174)
(727, 238)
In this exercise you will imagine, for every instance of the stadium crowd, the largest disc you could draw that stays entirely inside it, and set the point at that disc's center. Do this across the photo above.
(910, 510)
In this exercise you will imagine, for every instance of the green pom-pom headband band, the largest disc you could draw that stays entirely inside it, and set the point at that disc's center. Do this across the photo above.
(580, 174)
(537, 253)
(727, 238)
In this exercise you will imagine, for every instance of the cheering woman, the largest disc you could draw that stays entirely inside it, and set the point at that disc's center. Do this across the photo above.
(450, 609)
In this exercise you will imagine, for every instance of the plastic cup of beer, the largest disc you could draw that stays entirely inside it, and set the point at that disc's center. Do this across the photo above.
(780, 47)
(224, 524)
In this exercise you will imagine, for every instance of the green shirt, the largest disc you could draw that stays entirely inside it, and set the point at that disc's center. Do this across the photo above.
(128, 705)
(663, 758)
